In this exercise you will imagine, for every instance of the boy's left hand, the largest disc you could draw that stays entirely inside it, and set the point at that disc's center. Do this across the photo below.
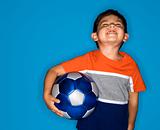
(130, 127)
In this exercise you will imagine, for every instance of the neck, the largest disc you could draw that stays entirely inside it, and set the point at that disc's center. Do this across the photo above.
(111, 52)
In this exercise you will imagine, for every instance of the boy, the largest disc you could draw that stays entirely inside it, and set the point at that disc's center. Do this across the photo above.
(115, 73)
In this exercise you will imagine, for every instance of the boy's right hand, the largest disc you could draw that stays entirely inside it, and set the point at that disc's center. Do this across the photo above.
(50, 100)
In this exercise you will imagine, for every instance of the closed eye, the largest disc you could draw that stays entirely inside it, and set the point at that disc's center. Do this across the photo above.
(105, 25)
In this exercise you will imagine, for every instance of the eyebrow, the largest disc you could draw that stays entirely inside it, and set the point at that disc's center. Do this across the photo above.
(118, 20)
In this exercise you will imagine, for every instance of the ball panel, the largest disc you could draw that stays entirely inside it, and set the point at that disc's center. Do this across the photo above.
(94, 89)
(76, 98)
(67, 86)
(88, 112)
(90, 100)
(60, 78)
(74, 75)
(83, 85)
(76, 112)
(64, 102)
(55, 90)
(65, 114)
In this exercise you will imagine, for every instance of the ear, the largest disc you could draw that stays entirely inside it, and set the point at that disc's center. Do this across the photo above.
(126, 36)
(94, 36)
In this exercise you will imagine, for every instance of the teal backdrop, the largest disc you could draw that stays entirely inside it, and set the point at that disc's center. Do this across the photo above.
(38, 34)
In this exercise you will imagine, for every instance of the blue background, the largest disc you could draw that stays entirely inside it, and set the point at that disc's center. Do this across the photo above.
(38, 34)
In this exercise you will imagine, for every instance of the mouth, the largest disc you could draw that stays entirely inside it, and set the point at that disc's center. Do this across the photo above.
(111, 33)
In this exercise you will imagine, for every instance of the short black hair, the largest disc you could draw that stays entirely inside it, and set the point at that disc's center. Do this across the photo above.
(107, 13)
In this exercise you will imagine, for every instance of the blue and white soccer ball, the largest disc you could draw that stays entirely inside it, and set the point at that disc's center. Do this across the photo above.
(77, 93)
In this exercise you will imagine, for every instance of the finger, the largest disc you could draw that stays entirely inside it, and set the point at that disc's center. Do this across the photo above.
(59, 113)
(55, 100)
(50, 105)
(56, 110)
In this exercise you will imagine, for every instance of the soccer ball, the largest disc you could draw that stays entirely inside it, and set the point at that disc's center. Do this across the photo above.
(77, 93)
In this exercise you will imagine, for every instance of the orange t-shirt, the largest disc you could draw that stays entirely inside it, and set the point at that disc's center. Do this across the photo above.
(114, 78)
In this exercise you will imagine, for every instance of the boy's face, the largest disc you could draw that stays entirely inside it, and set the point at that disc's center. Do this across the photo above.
(110, 30)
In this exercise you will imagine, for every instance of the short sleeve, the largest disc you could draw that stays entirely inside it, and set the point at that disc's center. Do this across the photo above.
(137, 82)
(76, 64)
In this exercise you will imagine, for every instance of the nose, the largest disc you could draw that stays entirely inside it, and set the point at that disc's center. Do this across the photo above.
(112, 25)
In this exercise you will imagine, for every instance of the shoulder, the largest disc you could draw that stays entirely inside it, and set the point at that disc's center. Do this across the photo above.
(130, 59)
(92, 53)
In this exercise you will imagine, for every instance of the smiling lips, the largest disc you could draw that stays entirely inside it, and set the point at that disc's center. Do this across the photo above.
(111, 33)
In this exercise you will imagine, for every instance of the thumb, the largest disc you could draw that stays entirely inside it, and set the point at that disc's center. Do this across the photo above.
(55, 99)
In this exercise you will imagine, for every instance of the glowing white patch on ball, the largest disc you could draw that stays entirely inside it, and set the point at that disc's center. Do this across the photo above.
(55, 90)
(74, 76)
(65, 114)
(88, 113)
(94, 88)
(76, 98)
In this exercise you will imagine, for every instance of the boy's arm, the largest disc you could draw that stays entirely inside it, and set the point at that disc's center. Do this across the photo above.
(49, 80)
(133, 108)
